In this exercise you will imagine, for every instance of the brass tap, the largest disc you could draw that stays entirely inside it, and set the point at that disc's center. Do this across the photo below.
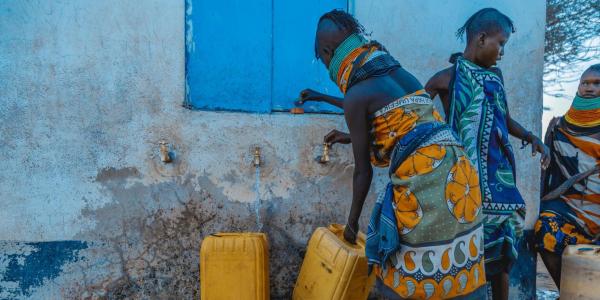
(256, 160)
(164, 152)
(325, 157)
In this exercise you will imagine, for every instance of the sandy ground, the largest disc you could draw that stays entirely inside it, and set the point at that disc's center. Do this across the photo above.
(546, 289)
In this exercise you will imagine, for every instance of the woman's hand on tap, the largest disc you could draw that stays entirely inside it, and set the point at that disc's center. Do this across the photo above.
(336, 136)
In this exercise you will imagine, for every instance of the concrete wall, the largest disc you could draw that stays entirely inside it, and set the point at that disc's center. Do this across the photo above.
(88, 90)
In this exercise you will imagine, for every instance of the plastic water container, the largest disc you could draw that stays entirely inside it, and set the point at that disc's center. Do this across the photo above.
(334, 269)
(234, 266)
(580, 274)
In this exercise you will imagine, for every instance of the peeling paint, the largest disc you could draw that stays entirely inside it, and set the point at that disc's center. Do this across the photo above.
(26, 266)
(189, 29)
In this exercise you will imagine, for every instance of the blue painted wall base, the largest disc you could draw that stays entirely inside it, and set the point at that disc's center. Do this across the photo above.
(29, 264)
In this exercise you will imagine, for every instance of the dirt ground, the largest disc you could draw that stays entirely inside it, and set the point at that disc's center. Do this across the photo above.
(546, 289)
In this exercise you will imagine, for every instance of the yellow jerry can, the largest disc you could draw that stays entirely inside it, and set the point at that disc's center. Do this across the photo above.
(334, 269)
(234, 266)
(580, 273)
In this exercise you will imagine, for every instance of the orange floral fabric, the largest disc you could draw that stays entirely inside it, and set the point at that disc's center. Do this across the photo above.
(462, 191)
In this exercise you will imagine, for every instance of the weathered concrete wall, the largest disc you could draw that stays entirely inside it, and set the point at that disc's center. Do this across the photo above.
(88, 90)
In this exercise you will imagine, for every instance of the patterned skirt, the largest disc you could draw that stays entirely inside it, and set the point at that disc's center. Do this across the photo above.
(425, 238)
(501, 243)
(554, 233)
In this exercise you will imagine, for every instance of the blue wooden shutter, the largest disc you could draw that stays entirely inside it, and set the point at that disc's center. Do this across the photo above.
(229, 55)
(254, 56)
(294, 65)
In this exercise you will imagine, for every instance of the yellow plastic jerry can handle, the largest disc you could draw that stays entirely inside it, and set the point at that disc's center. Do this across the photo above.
(338, 230)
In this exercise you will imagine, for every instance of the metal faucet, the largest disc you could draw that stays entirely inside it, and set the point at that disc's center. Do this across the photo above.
(256, 160)
(164, 152)
(325, 157)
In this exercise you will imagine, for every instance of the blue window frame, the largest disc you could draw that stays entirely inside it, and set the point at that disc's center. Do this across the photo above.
(254, 56)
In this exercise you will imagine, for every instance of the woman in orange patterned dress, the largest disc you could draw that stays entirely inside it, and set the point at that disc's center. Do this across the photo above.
(425, 238)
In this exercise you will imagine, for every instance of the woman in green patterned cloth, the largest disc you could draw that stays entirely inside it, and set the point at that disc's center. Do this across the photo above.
(472, 93)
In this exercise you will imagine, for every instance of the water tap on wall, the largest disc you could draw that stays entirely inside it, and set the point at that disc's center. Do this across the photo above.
(256, 161)
(165, 156)
(324, 158)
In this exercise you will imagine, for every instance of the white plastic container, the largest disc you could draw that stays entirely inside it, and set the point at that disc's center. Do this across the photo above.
(580, 275)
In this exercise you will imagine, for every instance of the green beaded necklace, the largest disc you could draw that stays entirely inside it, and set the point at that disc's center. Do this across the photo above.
(348, 45)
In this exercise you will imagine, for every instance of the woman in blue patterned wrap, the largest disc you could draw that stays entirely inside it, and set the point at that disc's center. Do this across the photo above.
(473, 97)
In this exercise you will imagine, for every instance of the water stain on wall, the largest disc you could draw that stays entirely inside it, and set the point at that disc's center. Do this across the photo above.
(146, 242)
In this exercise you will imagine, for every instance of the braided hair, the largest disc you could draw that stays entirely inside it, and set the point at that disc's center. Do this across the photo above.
(487, 19)
(344, 21)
